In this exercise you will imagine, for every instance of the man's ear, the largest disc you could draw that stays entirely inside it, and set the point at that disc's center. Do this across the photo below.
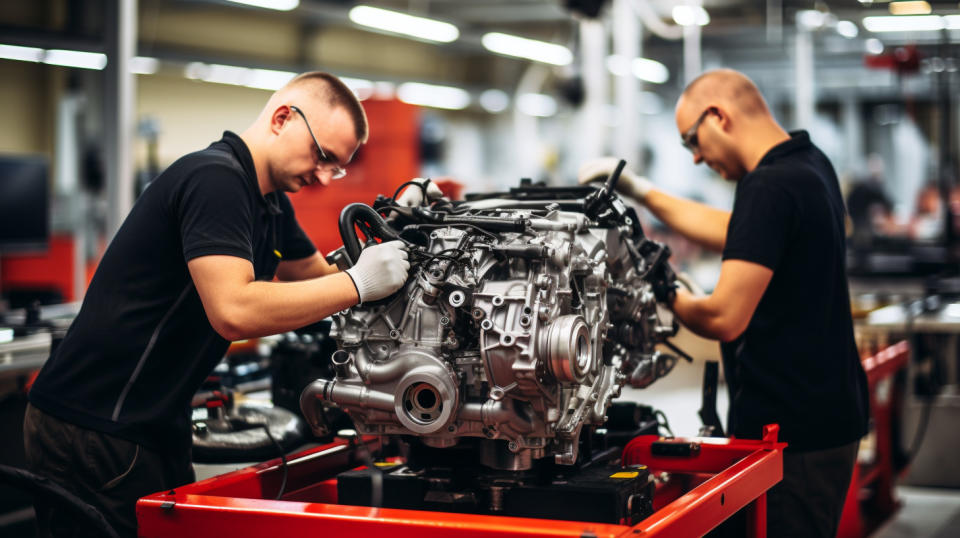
(723, 118)
(280, 116)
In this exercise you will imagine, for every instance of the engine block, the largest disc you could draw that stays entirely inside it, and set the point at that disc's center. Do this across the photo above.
(523, 316)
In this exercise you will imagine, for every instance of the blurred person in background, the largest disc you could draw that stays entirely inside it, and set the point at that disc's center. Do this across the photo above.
(781, 306)
(190, 270)
(928, 219)
(869, 207)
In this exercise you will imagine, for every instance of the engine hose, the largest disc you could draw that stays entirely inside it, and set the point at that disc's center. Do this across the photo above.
(493, 224)
(358, 212)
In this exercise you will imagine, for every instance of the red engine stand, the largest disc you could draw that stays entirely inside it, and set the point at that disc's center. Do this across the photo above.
(731, 474)
(870, 499)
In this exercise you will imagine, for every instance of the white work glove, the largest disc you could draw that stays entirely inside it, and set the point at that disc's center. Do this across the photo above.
(381, 270)
(412, 196)
(629, 183)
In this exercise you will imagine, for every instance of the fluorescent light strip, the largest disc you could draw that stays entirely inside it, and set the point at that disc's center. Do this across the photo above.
(75, 58)
(431, 95)
(23, 54)
(401, 23)
(690, 16)
(144, 65)
(810, 19)
(279, 5)
(537, 104)
(910, 7)
(268, 79)
(650, 70)
(643, 68)
(261, 79)
(530, 49)
(911, 23)
(494, 101)
(847, 29)
(873, 46)
(361, 87)
(141, 65)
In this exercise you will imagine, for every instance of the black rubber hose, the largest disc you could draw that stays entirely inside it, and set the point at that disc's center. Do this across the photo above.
(358, 212)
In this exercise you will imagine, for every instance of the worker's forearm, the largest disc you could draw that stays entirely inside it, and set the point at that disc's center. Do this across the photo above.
(700, 223)
(264, 308)
(703, 316)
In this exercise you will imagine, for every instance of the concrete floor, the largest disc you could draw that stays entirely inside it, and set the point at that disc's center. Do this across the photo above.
(927, 512)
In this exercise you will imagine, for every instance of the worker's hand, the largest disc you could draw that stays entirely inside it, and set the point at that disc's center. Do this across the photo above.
(663, 281)
(381, 270)
(630, 183)
(413, 195)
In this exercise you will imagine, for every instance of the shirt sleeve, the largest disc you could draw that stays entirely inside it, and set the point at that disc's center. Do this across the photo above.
(214, 214)
(295, 243)
(762, 224)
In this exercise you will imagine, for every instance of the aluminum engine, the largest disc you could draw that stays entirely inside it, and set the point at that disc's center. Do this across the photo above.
(522, 318)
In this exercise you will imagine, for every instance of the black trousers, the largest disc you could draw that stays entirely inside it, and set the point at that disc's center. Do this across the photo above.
(809, 500)
(105, 471)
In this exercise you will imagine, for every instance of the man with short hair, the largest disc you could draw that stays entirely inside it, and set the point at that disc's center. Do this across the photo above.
(190, 270)
(781, 306)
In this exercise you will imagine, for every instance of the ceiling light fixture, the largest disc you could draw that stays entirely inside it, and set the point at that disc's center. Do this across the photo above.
(650, 70)
(537, 104)
(494, 101)
(23, 54)
(910, 7)
(261, 79)
(897, 23)
(644, 69)
(847, 29)
(690, 15)
(810, 19)
(362, 87)
(75, 58)
(279, 5)
(401, 23)
(144, 65)
(951, 22)
(530, 49)
(268, 79)
(432, 95)
(873, 46)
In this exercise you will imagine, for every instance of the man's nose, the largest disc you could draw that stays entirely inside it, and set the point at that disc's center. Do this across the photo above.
(323, 175)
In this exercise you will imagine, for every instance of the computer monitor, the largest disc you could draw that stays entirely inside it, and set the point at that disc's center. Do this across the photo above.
(24, 203)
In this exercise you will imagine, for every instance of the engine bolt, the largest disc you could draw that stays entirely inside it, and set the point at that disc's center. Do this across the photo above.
(513, 446)
(444, 320)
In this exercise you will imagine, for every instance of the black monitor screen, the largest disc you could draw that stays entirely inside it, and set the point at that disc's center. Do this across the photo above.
(24, 203)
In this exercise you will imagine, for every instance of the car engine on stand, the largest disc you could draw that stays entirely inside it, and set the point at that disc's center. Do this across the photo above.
(523, 316)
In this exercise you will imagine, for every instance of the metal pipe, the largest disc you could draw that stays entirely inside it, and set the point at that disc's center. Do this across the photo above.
(120, 90)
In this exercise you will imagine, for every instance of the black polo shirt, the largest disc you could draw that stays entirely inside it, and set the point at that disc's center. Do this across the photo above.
(141, 344)
(796, 364)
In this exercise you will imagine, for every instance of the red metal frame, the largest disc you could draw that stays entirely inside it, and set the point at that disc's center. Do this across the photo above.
(862, 514)
(733, 473)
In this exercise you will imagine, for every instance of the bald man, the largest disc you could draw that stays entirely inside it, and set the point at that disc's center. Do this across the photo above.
(781, 305)
(190, 270)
